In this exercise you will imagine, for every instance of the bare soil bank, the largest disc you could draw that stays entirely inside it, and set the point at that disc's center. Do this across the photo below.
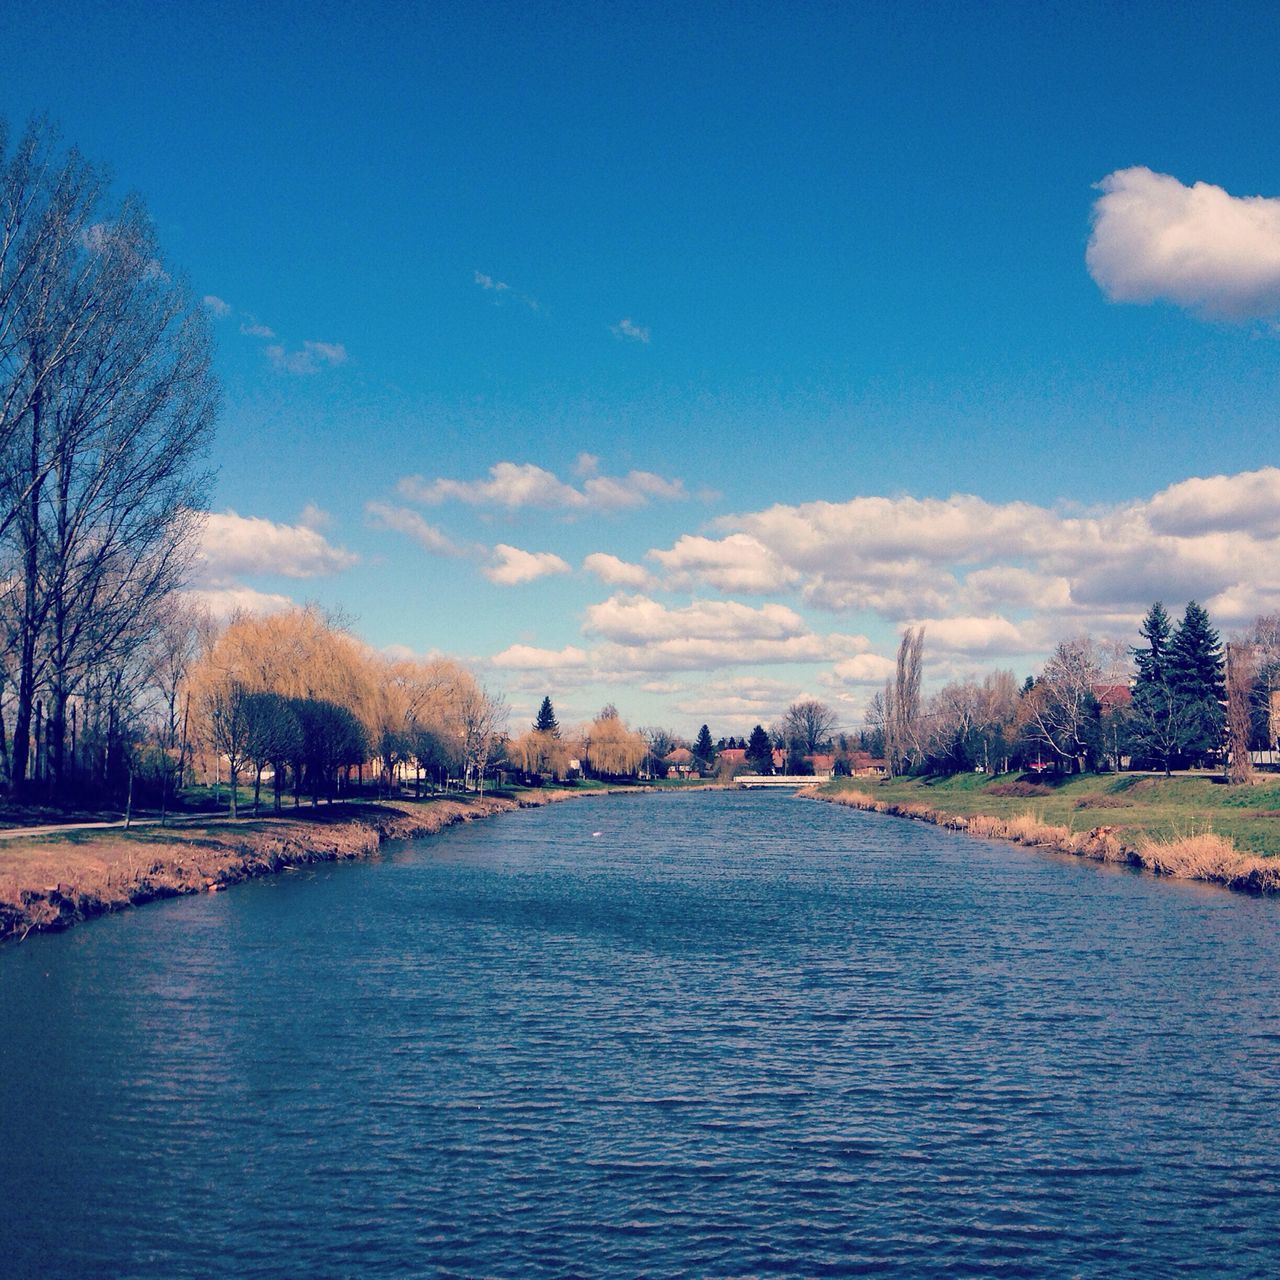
(49, 883)
(1206, 857)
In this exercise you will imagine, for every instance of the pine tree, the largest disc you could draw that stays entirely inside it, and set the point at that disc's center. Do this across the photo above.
(704, 750)
(1153, 659)
(1159, 725)
(760, 751)
(1196, 680)
(546, 721)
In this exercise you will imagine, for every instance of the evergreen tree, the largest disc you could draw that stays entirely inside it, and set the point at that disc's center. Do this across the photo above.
(1157, 723)
(704, 750)
(1195, 674)
(1152, 660)
(760, 751)
(546, 721)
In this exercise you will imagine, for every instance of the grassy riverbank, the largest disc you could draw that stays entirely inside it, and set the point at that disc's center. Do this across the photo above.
(54, 879)
(1190, 827)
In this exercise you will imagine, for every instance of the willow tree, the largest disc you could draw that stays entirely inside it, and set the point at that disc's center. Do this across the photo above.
(611, 748)
(107, 403)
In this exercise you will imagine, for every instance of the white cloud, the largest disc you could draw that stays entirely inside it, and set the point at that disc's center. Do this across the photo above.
(525, 657)
(1248, 502)
(512, 566)
(978, 636)
(964, 558)
(232, 545)
(311, 358)
(638, 619)
(1213, 253)
(217, 308)
(642, 634)
(735, 704)
(627, 328)
(383, 515)
(616, 572)
(864, 668)
(251, 328)
(515, 486)
(222, 602)
(737, 563)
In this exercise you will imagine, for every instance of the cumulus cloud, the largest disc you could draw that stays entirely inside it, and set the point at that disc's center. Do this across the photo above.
(737, 563)
(739, 702)
(1213, 253)
(216, 306)
(1220, 504)
(645, 635)
(910, 559)
(616, 572)
(385, 515)
(251, 328)
(638, 619)
(232, 545)
(525, 657)
(514, 486)
(627, 328)
(222, 602)
(864, 668)
(310, 358)
(638, 640)
(979, 636)
(511, 566)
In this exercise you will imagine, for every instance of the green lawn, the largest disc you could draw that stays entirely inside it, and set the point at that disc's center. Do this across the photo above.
(1134, 805)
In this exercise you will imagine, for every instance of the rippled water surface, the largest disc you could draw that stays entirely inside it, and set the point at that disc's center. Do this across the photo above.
(700, 1035)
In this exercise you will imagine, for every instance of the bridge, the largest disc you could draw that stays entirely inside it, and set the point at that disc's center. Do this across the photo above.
(752, 780)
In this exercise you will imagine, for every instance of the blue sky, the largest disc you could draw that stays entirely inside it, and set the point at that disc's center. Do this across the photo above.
(783, 255)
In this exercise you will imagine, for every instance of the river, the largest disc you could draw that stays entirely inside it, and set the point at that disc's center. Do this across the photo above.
(699, 1035)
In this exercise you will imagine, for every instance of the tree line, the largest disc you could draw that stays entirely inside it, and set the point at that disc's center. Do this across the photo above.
(297, 694)
(1177, 699)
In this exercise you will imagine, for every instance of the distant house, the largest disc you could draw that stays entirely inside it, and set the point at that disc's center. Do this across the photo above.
(1111, 697)
(779, 759)
(823, 765)
(862, 764)
(734, 755)
(679, 763)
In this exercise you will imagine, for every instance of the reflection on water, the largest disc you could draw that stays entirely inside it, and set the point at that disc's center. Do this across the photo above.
(731, 1035)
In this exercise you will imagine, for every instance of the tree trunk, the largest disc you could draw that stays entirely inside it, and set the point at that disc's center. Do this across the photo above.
(29, 531)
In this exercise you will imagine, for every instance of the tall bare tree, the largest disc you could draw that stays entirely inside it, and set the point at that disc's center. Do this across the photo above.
(108, 403)
(901, 704)
(1240, 681)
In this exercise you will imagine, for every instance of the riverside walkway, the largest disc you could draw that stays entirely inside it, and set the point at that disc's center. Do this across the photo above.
(753, 780)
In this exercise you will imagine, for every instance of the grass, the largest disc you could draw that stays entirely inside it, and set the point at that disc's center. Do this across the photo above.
(1140, 810)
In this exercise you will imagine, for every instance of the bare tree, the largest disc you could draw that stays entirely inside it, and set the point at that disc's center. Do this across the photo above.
(226, 708)
(809, 725)
(901, 704)
(1061, 709)
(1240, 680)
(483, 719)
(106, 405)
